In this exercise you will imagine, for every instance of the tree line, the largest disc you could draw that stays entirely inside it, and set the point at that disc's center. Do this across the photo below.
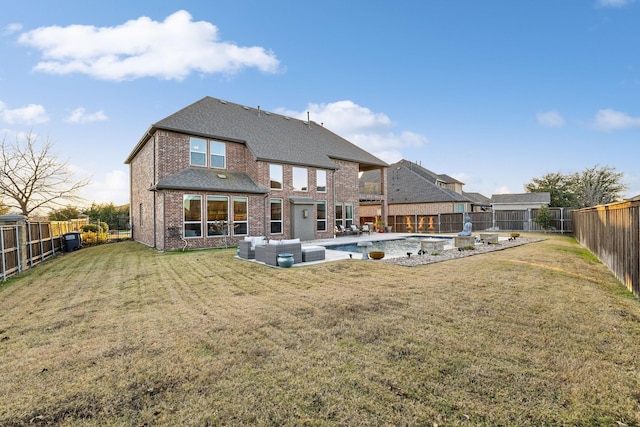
(597, 185)
(32, 178)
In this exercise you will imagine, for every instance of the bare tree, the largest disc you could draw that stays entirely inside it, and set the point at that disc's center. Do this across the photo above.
(31, 177)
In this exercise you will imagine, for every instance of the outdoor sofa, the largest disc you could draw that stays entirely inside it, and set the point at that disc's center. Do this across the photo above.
(248, 246)
(268, 252)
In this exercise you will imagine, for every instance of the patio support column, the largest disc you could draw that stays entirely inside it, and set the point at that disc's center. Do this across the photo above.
(384, 207)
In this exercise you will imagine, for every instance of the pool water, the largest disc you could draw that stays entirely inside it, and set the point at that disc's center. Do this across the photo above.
(392, 248)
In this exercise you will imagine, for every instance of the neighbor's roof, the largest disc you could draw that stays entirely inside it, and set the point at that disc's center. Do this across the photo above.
(269, 136)
(409, 182)
(198, 179)
(478, 198)
(543, 197)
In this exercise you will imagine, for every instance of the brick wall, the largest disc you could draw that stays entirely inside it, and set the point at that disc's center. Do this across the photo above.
(172, 155)
(141, 209)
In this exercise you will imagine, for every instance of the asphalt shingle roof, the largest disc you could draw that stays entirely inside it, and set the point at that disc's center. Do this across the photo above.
(408, 182)
(270, 137)
(198, 179)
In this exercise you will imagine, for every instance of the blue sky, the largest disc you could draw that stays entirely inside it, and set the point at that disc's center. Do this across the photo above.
(493, 93)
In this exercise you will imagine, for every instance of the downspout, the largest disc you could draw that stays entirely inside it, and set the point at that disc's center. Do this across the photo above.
(333, 206)
(155, 181)
(264, 221)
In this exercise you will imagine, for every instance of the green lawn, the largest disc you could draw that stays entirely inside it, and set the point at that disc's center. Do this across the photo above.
(120, 334)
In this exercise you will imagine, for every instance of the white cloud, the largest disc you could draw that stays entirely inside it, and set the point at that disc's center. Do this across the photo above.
(110, 187)
(615, 3)
(170, 49)
(368, 130)
(11, 28)
(79, 115)
(609, 120)
(30, 114)
(551, 119)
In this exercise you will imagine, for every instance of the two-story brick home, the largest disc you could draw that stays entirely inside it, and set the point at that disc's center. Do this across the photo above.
(215, 172)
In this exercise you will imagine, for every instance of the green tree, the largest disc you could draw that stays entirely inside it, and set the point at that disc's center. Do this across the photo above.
(544, 218)
(64, 214)
(117, 217)
(593, 186)
(598, 186)
(558, 185)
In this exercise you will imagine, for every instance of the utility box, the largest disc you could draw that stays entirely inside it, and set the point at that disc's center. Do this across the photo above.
(72, 241)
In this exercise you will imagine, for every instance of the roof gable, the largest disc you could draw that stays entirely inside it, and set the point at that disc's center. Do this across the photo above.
(269, 136)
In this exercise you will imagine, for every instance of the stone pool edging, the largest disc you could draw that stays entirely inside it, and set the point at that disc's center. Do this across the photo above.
(449, 254)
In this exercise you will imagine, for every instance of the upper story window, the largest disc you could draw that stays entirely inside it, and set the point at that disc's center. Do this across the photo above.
(300, 179)
(198, 152)
(200, 148)
(217, 154)
(321, 181)
(275, 176)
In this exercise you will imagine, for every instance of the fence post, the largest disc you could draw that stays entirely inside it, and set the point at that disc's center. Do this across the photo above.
(4, 266)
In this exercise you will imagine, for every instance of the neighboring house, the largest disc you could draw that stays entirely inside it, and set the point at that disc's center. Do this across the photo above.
(480, 202)
(415, 197)
(215, 172)
(519, 202)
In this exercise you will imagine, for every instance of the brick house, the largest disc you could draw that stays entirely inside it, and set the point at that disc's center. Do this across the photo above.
(214, 172)
(416, 196)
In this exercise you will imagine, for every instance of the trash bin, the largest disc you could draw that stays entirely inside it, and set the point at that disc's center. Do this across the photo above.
(72, 241)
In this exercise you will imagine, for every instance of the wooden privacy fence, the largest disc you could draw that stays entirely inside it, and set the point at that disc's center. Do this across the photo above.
(612, 233)
(507, 220)
(24, 244)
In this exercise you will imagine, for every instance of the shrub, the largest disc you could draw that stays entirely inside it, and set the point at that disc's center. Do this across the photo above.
(101, 227)
(93, 238)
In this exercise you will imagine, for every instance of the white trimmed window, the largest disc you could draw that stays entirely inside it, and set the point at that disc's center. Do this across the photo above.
(321, 215)
(348, 215)
(217, 216)
(200, 148)
(217, 154)
(321, 181)
(240, 216)
(276, 216)
(192, 205)
(300, 179)
(198, 152)
(339, 215)
(275, 177)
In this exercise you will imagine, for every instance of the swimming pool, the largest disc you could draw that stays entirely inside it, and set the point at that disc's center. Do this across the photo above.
(392, 248)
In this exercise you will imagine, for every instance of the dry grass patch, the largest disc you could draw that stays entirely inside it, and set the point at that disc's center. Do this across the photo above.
(124, 335)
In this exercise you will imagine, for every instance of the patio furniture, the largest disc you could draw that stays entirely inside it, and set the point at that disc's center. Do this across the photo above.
(268, 253)
(313, 253)
(355, 229)
(248, 246)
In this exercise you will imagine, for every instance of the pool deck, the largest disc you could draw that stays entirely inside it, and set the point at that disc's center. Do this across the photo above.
(333, 255)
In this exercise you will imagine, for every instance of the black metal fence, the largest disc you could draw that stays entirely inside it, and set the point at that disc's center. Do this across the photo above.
(508, 220)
